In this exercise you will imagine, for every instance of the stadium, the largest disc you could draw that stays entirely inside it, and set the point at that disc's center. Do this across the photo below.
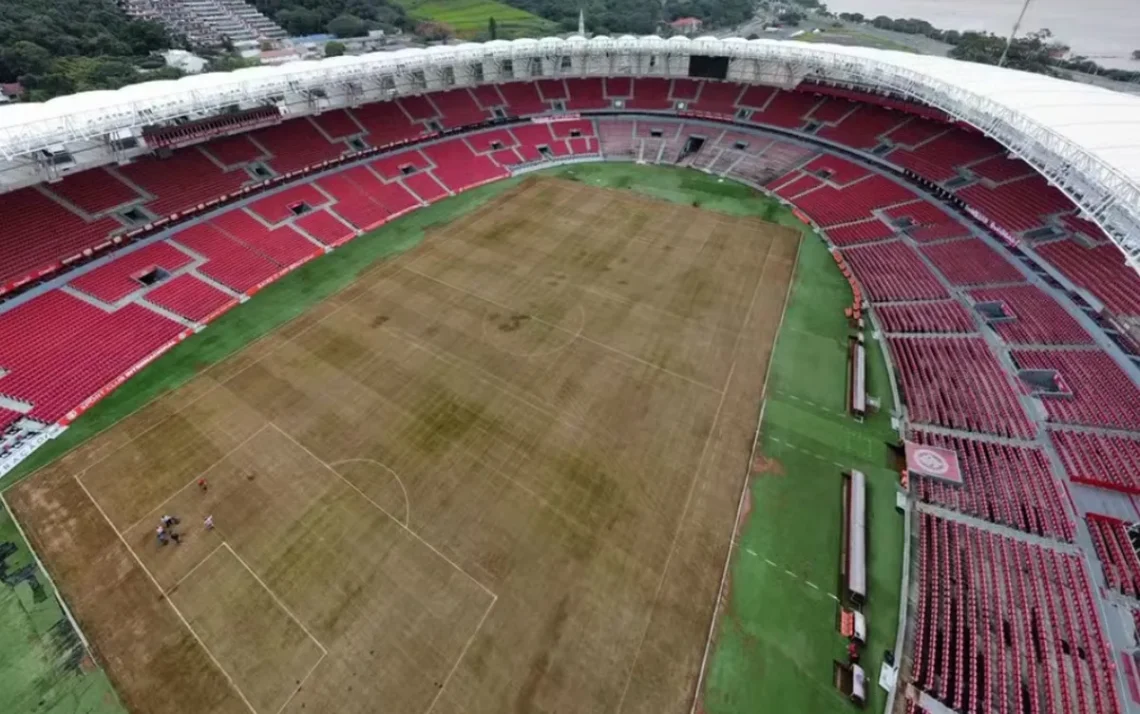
(580, 375)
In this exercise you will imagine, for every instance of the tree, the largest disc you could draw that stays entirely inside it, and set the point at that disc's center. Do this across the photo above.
(24, 57)
(491, 29)
(334, 49)
(1136, 54)
(435, 31)
(347, 26)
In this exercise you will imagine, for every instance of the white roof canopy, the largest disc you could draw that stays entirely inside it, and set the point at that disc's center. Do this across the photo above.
(1084, 138)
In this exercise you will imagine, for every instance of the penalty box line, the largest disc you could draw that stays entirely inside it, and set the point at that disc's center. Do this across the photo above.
(177, 612)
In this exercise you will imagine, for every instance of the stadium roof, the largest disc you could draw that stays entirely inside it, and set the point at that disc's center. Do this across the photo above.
(1085, 138)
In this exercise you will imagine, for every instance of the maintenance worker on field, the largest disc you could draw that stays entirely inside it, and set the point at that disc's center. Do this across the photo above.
(160, 533)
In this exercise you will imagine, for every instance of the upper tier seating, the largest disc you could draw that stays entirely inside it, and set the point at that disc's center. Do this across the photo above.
(191, 298)
(938, 159)
(717, 98)
(1102, 394)
(1001, 484)
(1039, 319)
(829, 206)
(586, 94)
(337, 124)
(925, 317)
(971, 262)
(1100, 270)
(39, 232)
(1103, 461)
(1019, 205)
(84, 350)
(387, 123)
(234, 150)
(650, 93)
(957, 383)
(94, 191)
(1006, 627)
(459, 109)
(117, 279)
(523, 99)
(183, 180)
(892, 271)
(864, 128)
(296, 144)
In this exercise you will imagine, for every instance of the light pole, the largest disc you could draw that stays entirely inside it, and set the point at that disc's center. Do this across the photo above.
(1016, 26)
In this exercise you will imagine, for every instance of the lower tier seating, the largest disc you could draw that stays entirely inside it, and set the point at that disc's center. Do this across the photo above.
(892, 271)
(925, 317)
(1002, 484)
(191, 298)
(1006, 627)
(57, 369)
(227, 261)
(119, 278)
(325, 227)
(957, 382)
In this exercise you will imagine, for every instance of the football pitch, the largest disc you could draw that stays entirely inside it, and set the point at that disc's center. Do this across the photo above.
(497, 472)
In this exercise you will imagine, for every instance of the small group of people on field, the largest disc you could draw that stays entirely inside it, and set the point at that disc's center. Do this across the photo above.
(165, 531)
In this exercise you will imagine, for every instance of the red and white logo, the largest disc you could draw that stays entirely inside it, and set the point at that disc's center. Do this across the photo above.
(932, 461)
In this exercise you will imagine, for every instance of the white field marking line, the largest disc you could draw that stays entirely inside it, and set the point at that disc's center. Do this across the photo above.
(190, 572)
(225, 360)
(541, 353)
(462, 654)
(177, 612)
(276, 599)
(193, 480)
(44, 572)
(720, 594)
(604, 346)
(811, 584)
(693, 488)
(301, 684)
(379, 508)
(407, 500)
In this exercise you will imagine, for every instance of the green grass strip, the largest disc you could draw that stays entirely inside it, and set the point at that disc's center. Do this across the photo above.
(778, 633)
(42, 661)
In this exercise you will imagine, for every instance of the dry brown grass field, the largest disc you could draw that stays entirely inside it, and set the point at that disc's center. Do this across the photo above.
(498, 473)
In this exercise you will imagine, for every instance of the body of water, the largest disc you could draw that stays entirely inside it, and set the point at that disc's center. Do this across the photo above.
(1104, 30)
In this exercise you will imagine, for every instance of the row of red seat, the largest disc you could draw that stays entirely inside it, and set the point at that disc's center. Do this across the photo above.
(1114, 550)
(1037, 317)
(971, 262)
(1102, 394)
(1007, 627)
(925, 317)
(894, 272)
(1103, 461)
(956, 382)
(1001, 484)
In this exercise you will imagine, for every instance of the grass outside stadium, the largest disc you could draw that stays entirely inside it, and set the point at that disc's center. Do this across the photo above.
(535, 493)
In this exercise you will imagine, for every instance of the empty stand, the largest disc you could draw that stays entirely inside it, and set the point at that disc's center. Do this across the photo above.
(864, 128)
(352, 203)
(942, 316)
(387, 124)
(1110, 462)
(418, 107)
(1101, 394)
(227, 261)
(939, 158)
(1002, 484)
(296, 144)
(971, 262)
(459, 168)
(182, 181)
(651, 94)
(94, 191)
(325, 227)
(458, 109)
(1100, 270)
(1006, 627)
(867, 231)
(892, 271)
(1036, 318)
(1019, 205)
(956, 382)
(85, 350)
(120, 277)
(1114, 550)
(586, 94)
(830, 205)
(523, 99)
(337, 124)
(718, 98)
(191, 298)
(39, 232)
(425, 187)
(288, 202)
(234, 150)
